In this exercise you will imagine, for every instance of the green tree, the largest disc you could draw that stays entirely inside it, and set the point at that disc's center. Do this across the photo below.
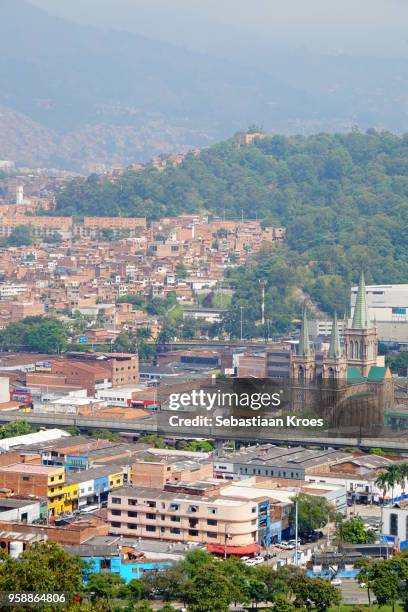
(210, 590)
(44, 567)
(104, 586)
(16, 428)
(313, 513)
(21, 235)
(133, 590)
(181, 270)
(281, 604)
(142, 606)
(54, 238)
(315, 592)
(38, 334)
(354, 532)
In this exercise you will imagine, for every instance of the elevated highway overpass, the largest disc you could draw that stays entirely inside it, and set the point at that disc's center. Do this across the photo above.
(150, 425)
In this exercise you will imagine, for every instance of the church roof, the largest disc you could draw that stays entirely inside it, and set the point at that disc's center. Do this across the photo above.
(377, 373)
(354, 375)
(334, 348)
(361, 318)
(304, 342)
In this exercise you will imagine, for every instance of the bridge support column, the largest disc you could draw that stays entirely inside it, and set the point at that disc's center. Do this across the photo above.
(219, 447)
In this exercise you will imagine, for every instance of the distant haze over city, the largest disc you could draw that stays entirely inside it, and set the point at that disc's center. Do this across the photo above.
(109, 83)
(367, 27)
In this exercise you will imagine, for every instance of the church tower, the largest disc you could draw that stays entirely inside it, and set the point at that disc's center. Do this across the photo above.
(303, 363)
(361, 339)
(334, 363)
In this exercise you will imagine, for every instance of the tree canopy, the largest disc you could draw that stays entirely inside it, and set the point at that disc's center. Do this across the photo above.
(341, 198)
(38, 334)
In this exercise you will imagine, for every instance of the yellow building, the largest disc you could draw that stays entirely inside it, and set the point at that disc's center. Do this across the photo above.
(70, 496)
(116, 480)
(55, 491)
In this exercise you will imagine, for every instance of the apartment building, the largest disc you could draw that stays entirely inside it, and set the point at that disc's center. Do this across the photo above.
(97, 371)
(93, 227)
(238, 526)
(38, 480)
(156, 473)
(40, 226)
(273, 461)
(11, 312)
(92, 486)
(11, 290)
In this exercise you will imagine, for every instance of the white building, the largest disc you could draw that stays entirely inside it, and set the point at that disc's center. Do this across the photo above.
(388, 307)
(385, 302)
(8, 290)
(395, 524)
(33, 438)
(117, 397)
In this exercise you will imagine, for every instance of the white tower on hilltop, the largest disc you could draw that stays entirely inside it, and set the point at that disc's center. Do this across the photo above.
(20, 195)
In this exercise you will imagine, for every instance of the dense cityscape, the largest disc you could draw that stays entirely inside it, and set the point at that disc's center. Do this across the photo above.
(107, 323)
(203, 306)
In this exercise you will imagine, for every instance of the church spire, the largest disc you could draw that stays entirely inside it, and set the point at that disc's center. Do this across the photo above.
(334, 348)
(304, 342)
(361, 318)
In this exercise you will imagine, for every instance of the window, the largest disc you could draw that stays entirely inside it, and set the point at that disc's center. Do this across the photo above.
(174, 507)
(174, 530)
(131, 526)
(116, 512)
(212, 510)
(132, 502)
(150, 528)
(151, 504)
(28, 478)
(211, 534)
(150, 516)
(192, 508)
(175, 519)
(394, 524)
(212, 522)
(115, 524)
(193, 532)
(253, 509)
(131, 513)
(116, 500)
(105, 564)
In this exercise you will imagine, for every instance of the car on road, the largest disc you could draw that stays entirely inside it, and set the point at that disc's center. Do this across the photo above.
(336, 582)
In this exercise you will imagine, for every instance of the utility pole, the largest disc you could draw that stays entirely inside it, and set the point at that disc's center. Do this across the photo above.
(262, 284)
(242, 322)
(297, 529)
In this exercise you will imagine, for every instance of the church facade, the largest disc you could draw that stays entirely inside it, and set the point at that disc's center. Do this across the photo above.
(362, 385)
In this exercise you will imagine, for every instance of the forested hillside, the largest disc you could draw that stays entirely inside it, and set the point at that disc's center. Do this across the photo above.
(342, 198)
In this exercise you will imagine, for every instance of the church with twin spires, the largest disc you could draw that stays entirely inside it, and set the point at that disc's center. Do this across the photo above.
(353, 362)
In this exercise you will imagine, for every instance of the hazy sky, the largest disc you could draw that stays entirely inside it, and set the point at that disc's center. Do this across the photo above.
(366, 27)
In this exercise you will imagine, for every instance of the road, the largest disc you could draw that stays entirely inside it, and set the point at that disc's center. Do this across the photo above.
(150, 425)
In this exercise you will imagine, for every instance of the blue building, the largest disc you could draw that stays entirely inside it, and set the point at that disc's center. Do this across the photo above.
(129, 558)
